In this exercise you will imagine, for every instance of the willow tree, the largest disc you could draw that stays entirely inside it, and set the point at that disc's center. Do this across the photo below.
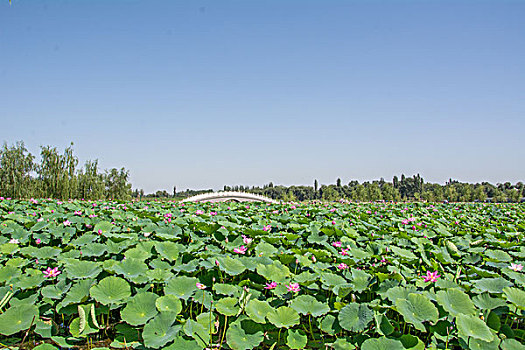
(16, 164)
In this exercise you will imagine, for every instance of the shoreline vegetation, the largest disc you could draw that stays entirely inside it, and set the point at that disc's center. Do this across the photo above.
(58, 175)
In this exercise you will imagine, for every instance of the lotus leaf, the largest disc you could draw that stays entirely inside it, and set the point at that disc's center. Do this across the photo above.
(355, 317)
(140, 309)
(111, 290)
(416, 309)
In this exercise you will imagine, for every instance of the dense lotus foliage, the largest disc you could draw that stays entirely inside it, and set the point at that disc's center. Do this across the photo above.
(165, 275)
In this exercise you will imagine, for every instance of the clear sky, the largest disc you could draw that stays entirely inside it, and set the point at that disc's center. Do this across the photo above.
(200, 94)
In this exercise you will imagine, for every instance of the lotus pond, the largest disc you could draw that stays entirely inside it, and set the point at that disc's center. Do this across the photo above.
(165, 275)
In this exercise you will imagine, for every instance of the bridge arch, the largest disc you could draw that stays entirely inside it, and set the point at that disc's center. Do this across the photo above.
(226, 196)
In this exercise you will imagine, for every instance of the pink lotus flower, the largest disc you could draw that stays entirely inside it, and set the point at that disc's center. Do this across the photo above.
(431, 276)
(77, 212)
(67, 223)
(246, 240)
(38, 241)
(267, 228)
(314, 259)
(51, 272)
(241, 250)
(200, 285)
(337, 244)
(271, 285)
(293, 287)
(40, 219)
(199, 212)
(342, 266)
(344, 251)
(516, 267)
(14, 241)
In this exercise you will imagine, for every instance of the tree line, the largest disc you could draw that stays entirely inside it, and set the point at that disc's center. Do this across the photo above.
(57, 175)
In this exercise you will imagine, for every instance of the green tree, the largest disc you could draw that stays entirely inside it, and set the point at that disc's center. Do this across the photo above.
(16, 164)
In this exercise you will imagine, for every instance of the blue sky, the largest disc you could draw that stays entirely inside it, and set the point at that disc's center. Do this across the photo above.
(199, 94)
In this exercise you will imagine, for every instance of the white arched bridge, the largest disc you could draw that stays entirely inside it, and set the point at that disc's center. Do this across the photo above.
(229, 196)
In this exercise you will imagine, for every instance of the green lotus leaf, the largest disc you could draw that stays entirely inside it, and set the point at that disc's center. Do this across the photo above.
(111, 290)
(341, 344)
(44, 329)
(102, 227)
(182, 287)
(296, 339)
(399, 292)
(159, 275)
(231, 266)
(331, 279)
(94, 249)
(88, 328)
(477, 344)
(168, 250)
(131, 268)
(403, 253)
(183, 344)
(498, 255)
(330, 325)
(169, 303)
(307, 304)
(17, 318)
(492, 285)
(456, 302)
(46, 253)
(257, 310)
(493, 321)
(412, 342)
(486, 302)
(416, 309)
(283, 317)
(226, 289)
(383, 325)
(85, 239)
(160, 330)
(45, 346)
(511, 344)
(83, 269)
(355, 317)
(240, 339)
(227, 306)
(140, 309)
(9, 272)
(78, 293)
(199, 332)
(515, 296)
(265, 249)
(32, 278)
(472, 326)
(275, 272)
(382, 343)
(137, 253)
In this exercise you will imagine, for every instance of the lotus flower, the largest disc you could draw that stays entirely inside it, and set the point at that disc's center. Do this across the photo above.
(431, 276)
(293, 287)
(344, 251)
(337, 244)
(51, 272)
(67, 223)
(200, 285)
(516, 267)
(14, 241)
(342, 266)
(246, 240)
(267, 228)
(241, 250)
(271, 285)
(199, 212)
(38, 241)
